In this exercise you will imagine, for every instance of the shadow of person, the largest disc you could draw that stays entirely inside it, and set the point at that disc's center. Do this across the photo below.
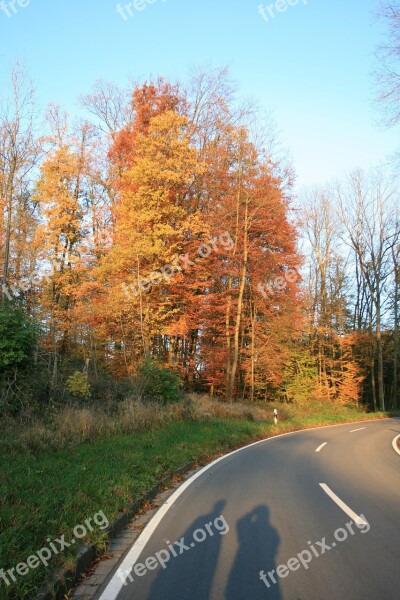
(190, 575)
(258, 546)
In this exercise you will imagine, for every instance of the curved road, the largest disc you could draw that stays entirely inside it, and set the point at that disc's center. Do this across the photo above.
(307, 516)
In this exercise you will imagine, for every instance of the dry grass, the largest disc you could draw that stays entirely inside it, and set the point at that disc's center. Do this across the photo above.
(34, 437)
(71, 426)
(204, 407)
(83, 424)
(135, 416)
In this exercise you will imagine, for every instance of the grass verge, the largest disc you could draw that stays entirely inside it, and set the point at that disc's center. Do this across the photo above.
(45, 492)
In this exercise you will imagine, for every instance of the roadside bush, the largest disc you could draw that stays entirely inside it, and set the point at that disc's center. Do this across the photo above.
(78, 385)
(157, 384)
(18, 344)
(18, 340)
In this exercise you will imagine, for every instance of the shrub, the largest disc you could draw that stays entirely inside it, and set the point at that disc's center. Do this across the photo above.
(157, 384)
(300, 380)
(18, 340)
(78, 385)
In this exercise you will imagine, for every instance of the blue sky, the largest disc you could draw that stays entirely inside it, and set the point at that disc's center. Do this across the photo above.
(311, 65)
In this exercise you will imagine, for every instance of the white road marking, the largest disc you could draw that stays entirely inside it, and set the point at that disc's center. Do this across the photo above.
(360, 429)
(321, 446)
(395, 446)
(116, 583)
(356, 518)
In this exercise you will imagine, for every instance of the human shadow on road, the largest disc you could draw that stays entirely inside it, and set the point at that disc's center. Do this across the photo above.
(258, 546)
(190, 575)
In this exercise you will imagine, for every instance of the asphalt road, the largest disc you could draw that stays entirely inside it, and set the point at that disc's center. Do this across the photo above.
(263, 509)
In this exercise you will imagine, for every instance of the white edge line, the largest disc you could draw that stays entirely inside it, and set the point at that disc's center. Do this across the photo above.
(395, 446)
(116, 584)
(321, 446)
(356, 518)
(359, 429)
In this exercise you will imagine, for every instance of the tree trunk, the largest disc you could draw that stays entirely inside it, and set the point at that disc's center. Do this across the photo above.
(242, 284)
(381, 388)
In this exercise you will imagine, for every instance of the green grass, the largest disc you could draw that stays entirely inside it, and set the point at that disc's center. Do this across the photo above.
(48, 492)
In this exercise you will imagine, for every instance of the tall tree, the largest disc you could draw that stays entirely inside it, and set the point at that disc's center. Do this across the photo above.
(19, 153)
(388, 75)
(368, 208)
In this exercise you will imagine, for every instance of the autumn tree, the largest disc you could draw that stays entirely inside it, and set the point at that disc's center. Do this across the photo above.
(329, 299)
(59, 194)
(157, 167)
(369, 215)
(19, 153)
